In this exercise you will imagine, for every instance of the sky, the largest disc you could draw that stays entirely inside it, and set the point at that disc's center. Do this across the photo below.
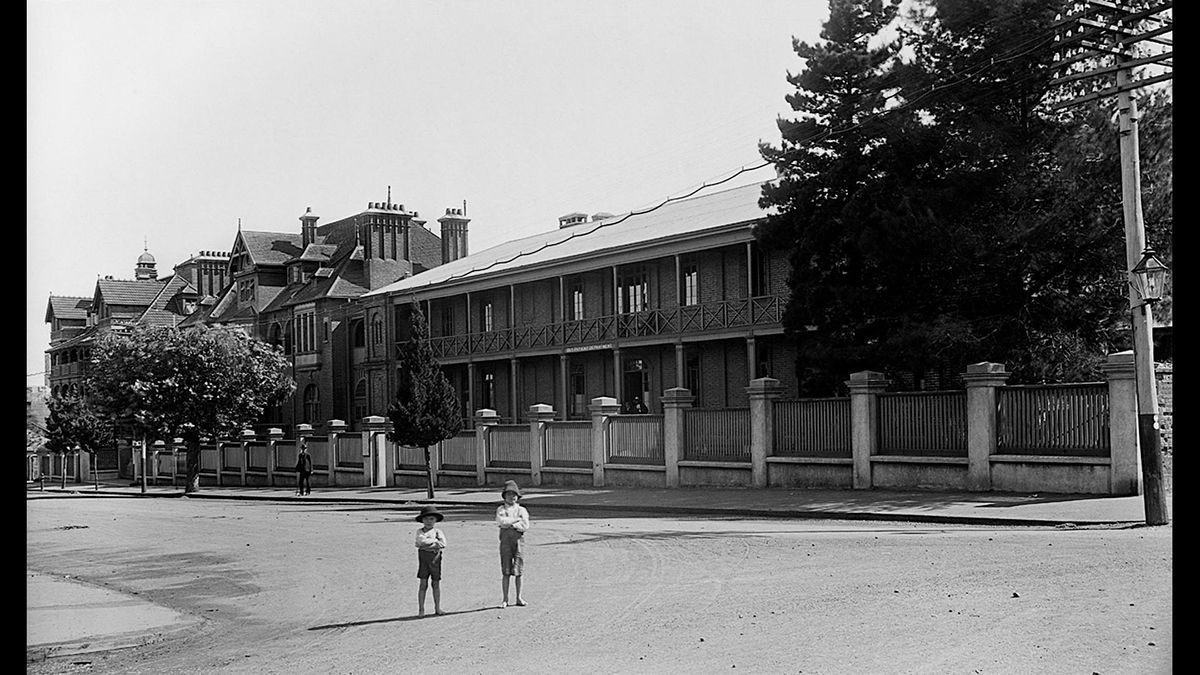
(159, 125)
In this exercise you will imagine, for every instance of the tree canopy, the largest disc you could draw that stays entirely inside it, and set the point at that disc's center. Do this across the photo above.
(935, 211)
(187, 383)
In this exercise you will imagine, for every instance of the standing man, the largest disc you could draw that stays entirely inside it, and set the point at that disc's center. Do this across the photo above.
(303, 470)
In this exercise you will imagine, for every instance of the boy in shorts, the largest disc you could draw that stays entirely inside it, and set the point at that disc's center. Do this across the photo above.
(513, 521)
(430, 542)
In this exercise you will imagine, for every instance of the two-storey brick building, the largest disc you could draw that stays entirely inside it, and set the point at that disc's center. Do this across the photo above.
(624, 306)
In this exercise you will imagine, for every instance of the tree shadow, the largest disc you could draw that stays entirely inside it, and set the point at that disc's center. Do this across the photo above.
(396, 619)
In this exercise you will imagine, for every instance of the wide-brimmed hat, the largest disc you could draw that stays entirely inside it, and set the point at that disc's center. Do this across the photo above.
(511, 486)
(429, 510)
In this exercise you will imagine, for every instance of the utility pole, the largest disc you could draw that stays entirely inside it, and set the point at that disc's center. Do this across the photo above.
(1096, 30)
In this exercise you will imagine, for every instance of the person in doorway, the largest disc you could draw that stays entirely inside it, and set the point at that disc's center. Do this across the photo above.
(430, 543)
(639, 408)
(513, 521)
(304, 469)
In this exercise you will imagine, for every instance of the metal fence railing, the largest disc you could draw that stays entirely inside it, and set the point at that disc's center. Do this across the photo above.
(717, 434)
(932, 423)
(635, 439)
(814, 427)
(1062, 419)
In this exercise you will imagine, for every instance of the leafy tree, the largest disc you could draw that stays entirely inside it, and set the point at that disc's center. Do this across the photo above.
(190, 383)
(935, 213)
(72, 423)
(425, 411)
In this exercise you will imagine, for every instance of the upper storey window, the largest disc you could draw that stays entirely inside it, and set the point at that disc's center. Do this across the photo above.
(575, 309)
(633, 291)
(487, 318)
(690, 283)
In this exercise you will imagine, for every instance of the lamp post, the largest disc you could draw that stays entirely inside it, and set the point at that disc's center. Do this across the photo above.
(1146, 280)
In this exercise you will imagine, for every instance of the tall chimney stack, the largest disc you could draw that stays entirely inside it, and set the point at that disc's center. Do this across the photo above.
(308, 227)
(454, 234)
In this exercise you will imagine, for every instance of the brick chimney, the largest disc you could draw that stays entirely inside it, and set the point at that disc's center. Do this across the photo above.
(308, 227)
(454, 234)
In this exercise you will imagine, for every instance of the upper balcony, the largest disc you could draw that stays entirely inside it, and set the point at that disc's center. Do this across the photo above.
(762, 311)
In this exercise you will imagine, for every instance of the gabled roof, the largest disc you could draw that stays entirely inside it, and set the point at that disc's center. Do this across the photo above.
(714, 211)
(67, 307)
(271, 248)
(138, 293)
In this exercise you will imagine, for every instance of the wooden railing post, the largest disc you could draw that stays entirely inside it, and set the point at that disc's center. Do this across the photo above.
(485, 419)
(762, 394)
(865, 387)
(1125, 474)
(336, 429)
(539, 415)
(600, 408)
(982, 380)
(675, 402)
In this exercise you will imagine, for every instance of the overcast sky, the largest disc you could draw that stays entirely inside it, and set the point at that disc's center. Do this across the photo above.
(158, 124)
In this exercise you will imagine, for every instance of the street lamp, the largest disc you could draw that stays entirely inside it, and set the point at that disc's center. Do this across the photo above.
(1146, 279)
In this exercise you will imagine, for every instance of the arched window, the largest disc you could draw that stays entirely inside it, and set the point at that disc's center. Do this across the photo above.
(377, 330)
(276, 339)
(312, 404)
(360, 399)
(358, 334)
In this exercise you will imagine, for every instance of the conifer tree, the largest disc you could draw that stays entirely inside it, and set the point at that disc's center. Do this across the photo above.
(426, 410)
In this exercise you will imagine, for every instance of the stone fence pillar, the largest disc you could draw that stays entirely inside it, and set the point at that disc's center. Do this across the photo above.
(1125, 473)
(246, 437)
(601, 408)
(762, 393)
(336, 429)
(376, 458)
(539, 415)
(982, 380)
(865, 388)
(485, 419)
(274, 435)
(160, 448)
(675, 401)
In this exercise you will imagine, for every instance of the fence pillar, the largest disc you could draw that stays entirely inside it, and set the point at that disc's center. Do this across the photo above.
(762, 393)
(865, 387)
(274, 435)
(539, 415)
(85, 467)
(160, 447)
(246, 438)
(336, 429)
(1125, 473)
(485, 419)
(220, 459)
(982, 380)
(675, 402)
(375, 455)
(177, 445)
(601, 408)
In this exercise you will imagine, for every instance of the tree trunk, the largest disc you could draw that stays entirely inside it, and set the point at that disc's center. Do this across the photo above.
(193, 465)
(428, 472)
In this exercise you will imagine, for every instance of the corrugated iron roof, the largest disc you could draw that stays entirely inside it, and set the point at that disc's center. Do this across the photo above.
(686, 216)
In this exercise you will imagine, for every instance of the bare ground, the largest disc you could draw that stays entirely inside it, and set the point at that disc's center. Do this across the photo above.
(307, 588)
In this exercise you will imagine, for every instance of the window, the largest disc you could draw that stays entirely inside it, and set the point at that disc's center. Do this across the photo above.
(305, 330)
(447, 321)
(758, 271)
(487, 317)
(632, 292)
(691, 377)
(377, 330)
(360, 399)
(578, 392)
(691, 284)
(359, 334)
(576, 295)
(312, 404)
(489, 390)
(763, 357)
(246, 290)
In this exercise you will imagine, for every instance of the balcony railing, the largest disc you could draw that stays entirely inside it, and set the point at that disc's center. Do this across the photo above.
(764, 310)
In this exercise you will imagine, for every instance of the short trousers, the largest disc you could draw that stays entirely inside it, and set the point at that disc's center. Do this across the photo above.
(512, 548)
(429, 565)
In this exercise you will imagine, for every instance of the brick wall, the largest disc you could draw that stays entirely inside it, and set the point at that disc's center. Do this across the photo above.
(1165, 376)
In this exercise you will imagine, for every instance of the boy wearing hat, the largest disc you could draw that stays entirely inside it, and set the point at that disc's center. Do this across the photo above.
(430, 542)
(513, 521)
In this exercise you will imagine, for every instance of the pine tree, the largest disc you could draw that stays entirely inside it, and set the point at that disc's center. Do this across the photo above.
(426, 410)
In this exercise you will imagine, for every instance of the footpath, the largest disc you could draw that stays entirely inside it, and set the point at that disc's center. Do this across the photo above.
(65, 617)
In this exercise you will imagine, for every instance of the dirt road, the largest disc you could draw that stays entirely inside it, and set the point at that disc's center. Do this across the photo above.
(307, 588)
